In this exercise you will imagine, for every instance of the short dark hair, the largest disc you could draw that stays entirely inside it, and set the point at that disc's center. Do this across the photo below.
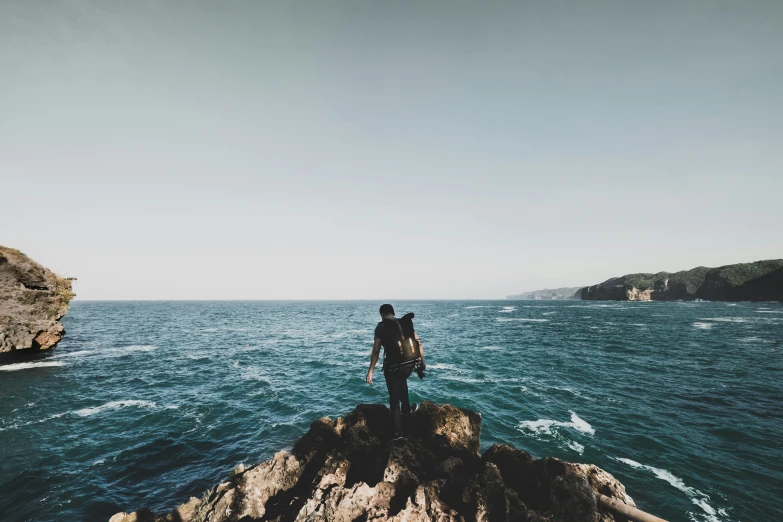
(386, 309)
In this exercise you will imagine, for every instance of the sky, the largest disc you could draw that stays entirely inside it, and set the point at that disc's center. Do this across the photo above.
(387, 149)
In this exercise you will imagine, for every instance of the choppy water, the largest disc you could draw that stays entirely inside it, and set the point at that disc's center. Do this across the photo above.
(148, 403)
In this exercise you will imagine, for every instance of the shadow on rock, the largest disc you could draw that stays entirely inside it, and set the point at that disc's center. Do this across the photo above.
(349, 470)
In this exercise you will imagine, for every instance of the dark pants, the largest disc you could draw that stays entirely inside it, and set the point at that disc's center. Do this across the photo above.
(397, 384)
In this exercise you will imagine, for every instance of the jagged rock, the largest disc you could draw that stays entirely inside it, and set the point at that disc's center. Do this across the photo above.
(349, 469)
(32, 301)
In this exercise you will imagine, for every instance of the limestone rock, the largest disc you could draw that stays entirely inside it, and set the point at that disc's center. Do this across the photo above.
(32, 301)
(350, 469)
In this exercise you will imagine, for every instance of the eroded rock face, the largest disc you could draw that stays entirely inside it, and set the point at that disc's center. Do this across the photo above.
(32, 301)
(349, 469)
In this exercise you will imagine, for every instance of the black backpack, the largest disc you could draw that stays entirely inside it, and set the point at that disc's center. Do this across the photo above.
(404, 350)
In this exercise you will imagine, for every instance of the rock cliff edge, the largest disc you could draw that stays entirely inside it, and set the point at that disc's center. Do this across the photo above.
(32, 301)
(349, 470)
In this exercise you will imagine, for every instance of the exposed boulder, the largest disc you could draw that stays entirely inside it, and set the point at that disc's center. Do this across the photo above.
(32, 301)
(350, 469)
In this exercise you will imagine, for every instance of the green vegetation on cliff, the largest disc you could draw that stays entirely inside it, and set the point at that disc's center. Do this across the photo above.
(759, 281)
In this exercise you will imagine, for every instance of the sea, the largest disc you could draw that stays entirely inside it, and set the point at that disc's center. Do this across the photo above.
(150, 403)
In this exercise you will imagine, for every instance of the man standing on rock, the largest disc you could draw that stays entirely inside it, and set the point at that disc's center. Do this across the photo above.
(388, 334)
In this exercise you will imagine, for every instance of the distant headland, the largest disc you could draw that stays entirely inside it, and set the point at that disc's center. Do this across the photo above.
(549, 294)
(33, 299)
(759, 281)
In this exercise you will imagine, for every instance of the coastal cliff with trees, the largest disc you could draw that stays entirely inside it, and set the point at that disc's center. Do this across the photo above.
(33, 299)
(759, 281)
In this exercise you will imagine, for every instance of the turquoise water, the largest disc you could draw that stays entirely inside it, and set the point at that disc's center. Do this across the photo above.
(148, 403)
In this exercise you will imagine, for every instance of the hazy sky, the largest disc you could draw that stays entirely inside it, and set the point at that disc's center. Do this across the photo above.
(387, 149)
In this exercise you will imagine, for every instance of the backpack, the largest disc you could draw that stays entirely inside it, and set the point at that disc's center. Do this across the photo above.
(407, 353)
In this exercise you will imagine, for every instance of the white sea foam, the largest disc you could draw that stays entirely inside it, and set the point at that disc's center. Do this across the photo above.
(491, 348)
(37, 421)
(521, 319)
(697, 497)
(473, 307)
(544, 426)
(508, 309)
(581, 424)
(121, 351)
(28, 365)
(548, 313)
(702, 326)
(77, 353)
(114, 405)
(769, 311)
(576, 446)
(442, 366)
(725, 319)
(459, 378)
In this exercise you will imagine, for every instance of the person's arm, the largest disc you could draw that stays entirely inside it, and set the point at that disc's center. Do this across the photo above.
(376, 352)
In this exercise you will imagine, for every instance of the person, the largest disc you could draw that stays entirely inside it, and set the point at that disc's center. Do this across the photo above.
(386, 335)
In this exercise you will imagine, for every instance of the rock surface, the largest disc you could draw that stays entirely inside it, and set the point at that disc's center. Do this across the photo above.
(349, 469)
(32, 301)
(759, 281)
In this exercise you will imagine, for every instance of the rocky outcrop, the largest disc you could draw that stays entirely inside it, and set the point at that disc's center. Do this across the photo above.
(549, 294)
(32, 301)
(759, 281)
(348, 469)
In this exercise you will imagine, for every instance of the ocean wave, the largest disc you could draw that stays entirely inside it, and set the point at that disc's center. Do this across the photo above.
(28, 365)
(443, 366)
(114, 405)
(491, 348)
(459, 378)
(697, 497)
(522, 319)
(725, 319)
(252, 373)
(473, 307)
(72, 354)
(769, 311)
(702, 326)
(545, 426)
(37, 421)
(508, 309)
(121, 351)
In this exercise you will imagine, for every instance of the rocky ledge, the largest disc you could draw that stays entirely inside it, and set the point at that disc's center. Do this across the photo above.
(348, 470)
(32, 301)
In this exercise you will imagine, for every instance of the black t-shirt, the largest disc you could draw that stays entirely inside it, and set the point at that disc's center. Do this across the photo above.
(389, 334)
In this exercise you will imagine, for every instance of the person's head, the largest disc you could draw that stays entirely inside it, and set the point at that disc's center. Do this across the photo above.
(386, 309)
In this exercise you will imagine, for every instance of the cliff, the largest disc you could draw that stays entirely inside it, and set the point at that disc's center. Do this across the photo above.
(32, 301)
(349, 469)
(549, 293)
(759, 281)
